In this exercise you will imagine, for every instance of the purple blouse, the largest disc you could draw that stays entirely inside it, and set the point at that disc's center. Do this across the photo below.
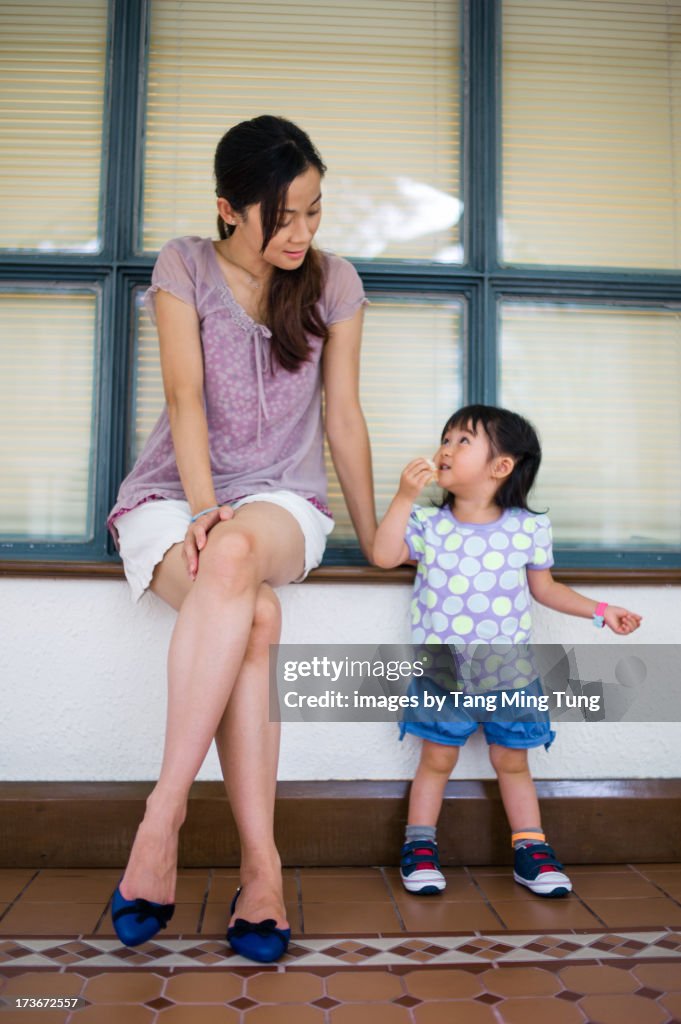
(264, 422)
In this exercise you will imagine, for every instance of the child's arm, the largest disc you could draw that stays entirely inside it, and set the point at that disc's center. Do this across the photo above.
(549, 592)
(390, 548)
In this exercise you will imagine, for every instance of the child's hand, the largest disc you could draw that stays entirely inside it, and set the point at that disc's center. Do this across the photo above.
(415, 476)
(620, 620)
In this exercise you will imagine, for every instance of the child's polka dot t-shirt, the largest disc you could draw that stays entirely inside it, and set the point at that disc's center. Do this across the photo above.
(471, 582)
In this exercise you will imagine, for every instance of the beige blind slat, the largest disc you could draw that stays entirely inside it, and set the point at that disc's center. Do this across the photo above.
(375, 84)
(52, 74)
(591, 133)
(47, 413)
(408, 389)
(603, 387)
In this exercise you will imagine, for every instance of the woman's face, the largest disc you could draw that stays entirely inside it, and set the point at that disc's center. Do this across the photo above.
(289, 245)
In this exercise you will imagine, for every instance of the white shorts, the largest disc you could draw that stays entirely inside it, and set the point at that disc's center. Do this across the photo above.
(148, 531)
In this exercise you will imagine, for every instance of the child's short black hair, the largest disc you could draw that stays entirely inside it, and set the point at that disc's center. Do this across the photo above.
(509, 434)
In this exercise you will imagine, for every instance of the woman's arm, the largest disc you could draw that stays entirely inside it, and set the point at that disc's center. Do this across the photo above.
(182, 369)
(549, 592)
(346, 428)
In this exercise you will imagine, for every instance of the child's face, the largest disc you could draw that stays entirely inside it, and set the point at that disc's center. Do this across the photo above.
(463, 460)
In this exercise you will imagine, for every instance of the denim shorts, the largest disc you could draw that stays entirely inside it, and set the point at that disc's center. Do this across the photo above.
(517, 728)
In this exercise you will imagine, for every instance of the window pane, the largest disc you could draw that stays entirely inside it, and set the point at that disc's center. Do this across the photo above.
(376, 83)
(411, 382)
(603, 387)
(592, 133)
(48, 388)
(412, 372)
(52, 70)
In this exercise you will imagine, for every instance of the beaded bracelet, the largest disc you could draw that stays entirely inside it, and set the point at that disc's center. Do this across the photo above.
(204, 513)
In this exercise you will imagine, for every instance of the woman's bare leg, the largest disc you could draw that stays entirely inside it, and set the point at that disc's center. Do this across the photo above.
(209, 644)
(248, 746)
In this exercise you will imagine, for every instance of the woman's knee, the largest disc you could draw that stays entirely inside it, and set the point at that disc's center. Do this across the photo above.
(267, 615)
(507, 759)
(230, 555)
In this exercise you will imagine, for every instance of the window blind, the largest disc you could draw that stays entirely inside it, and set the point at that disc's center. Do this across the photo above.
(48, 387)
(408, 389)
(603, 387)
(52, 74)
(376, 84)
(591, 133)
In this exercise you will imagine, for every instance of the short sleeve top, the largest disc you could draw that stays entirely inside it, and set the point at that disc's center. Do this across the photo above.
(264, 422)
(471, 580)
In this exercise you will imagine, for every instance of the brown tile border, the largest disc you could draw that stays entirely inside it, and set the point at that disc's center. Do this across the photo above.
(92, 824)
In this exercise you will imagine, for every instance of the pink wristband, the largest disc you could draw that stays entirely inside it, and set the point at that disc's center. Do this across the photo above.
(598, 619)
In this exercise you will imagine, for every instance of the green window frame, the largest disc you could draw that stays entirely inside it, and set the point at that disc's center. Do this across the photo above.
(482, 282)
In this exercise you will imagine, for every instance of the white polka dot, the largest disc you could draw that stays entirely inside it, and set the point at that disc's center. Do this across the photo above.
(439, 622)
(484, 581)
(509, 626)
(512, 524)
(530, 525)
(452, 605)
(436, 577)
(540, 557)
(415, 614)
(418, 544)
(453, 541)
(521, 541)
(458, 584)
(543, 520)
(517, 559)
(474, 546)
(418, 635)
(501, 606)
(493, 560)
(433, 639)
(431, 598)
(521, 637)
(509, 580)
(498, 541)
(447, 561)
(507, 673)
(469, 566)
(462, 624)
(429, 555)
(493, 663)
(443, 527)
(520, 601)
(525, 621)
(524, 666)
(478, 603)
(487, 629)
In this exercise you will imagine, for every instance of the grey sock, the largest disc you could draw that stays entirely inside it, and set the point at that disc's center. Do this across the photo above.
(415, 833)
(518, 843)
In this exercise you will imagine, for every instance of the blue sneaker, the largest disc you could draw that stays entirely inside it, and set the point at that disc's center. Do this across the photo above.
(538, 868)
(420, 868)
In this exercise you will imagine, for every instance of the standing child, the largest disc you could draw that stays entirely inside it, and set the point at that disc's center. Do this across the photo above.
(480, 556)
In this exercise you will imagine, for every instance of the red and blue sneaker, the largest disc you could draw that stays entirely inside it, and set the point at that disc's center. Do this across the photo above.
(420, 868)
(537, 867)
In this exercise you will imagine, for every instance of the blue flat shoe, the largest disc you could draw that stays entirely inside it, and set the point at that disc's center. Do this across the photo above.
(137, 921)
(263, 941)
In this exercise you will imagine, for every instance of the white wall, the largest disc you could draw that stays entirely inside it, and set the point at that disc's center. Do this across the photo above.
(82, 686)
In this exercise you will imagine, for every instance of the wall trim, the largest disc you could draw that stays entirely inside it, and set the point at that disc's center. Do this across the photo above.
(92, 824)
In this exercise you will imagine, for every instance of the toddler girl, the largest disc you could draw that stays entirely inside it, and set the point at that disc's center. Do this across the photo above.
(480, 556)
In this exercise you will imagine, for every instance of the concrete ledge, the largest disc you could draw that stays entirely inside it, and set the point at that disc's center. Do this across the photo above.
(92, 824)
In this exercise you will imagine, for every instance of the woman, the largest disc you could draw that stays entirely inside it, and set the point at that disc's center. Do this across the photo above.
(228, 498)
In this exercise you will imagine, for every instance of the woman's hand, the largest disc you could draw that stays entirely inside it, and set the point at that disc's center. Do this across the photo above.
(415, 476)
(619, 620)
(197, 535)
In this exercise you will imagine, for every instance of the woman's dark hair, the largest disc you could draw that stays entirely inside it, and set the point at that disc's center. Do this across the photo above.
(255, 162)
(509, 434)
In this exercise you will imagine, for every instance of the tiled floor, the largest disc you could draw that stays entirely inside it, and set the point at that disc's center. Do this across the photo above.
(484, 952)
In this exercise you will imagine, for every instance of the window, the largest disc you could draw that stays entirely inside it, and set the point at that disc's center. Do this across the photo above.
(503, 173)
